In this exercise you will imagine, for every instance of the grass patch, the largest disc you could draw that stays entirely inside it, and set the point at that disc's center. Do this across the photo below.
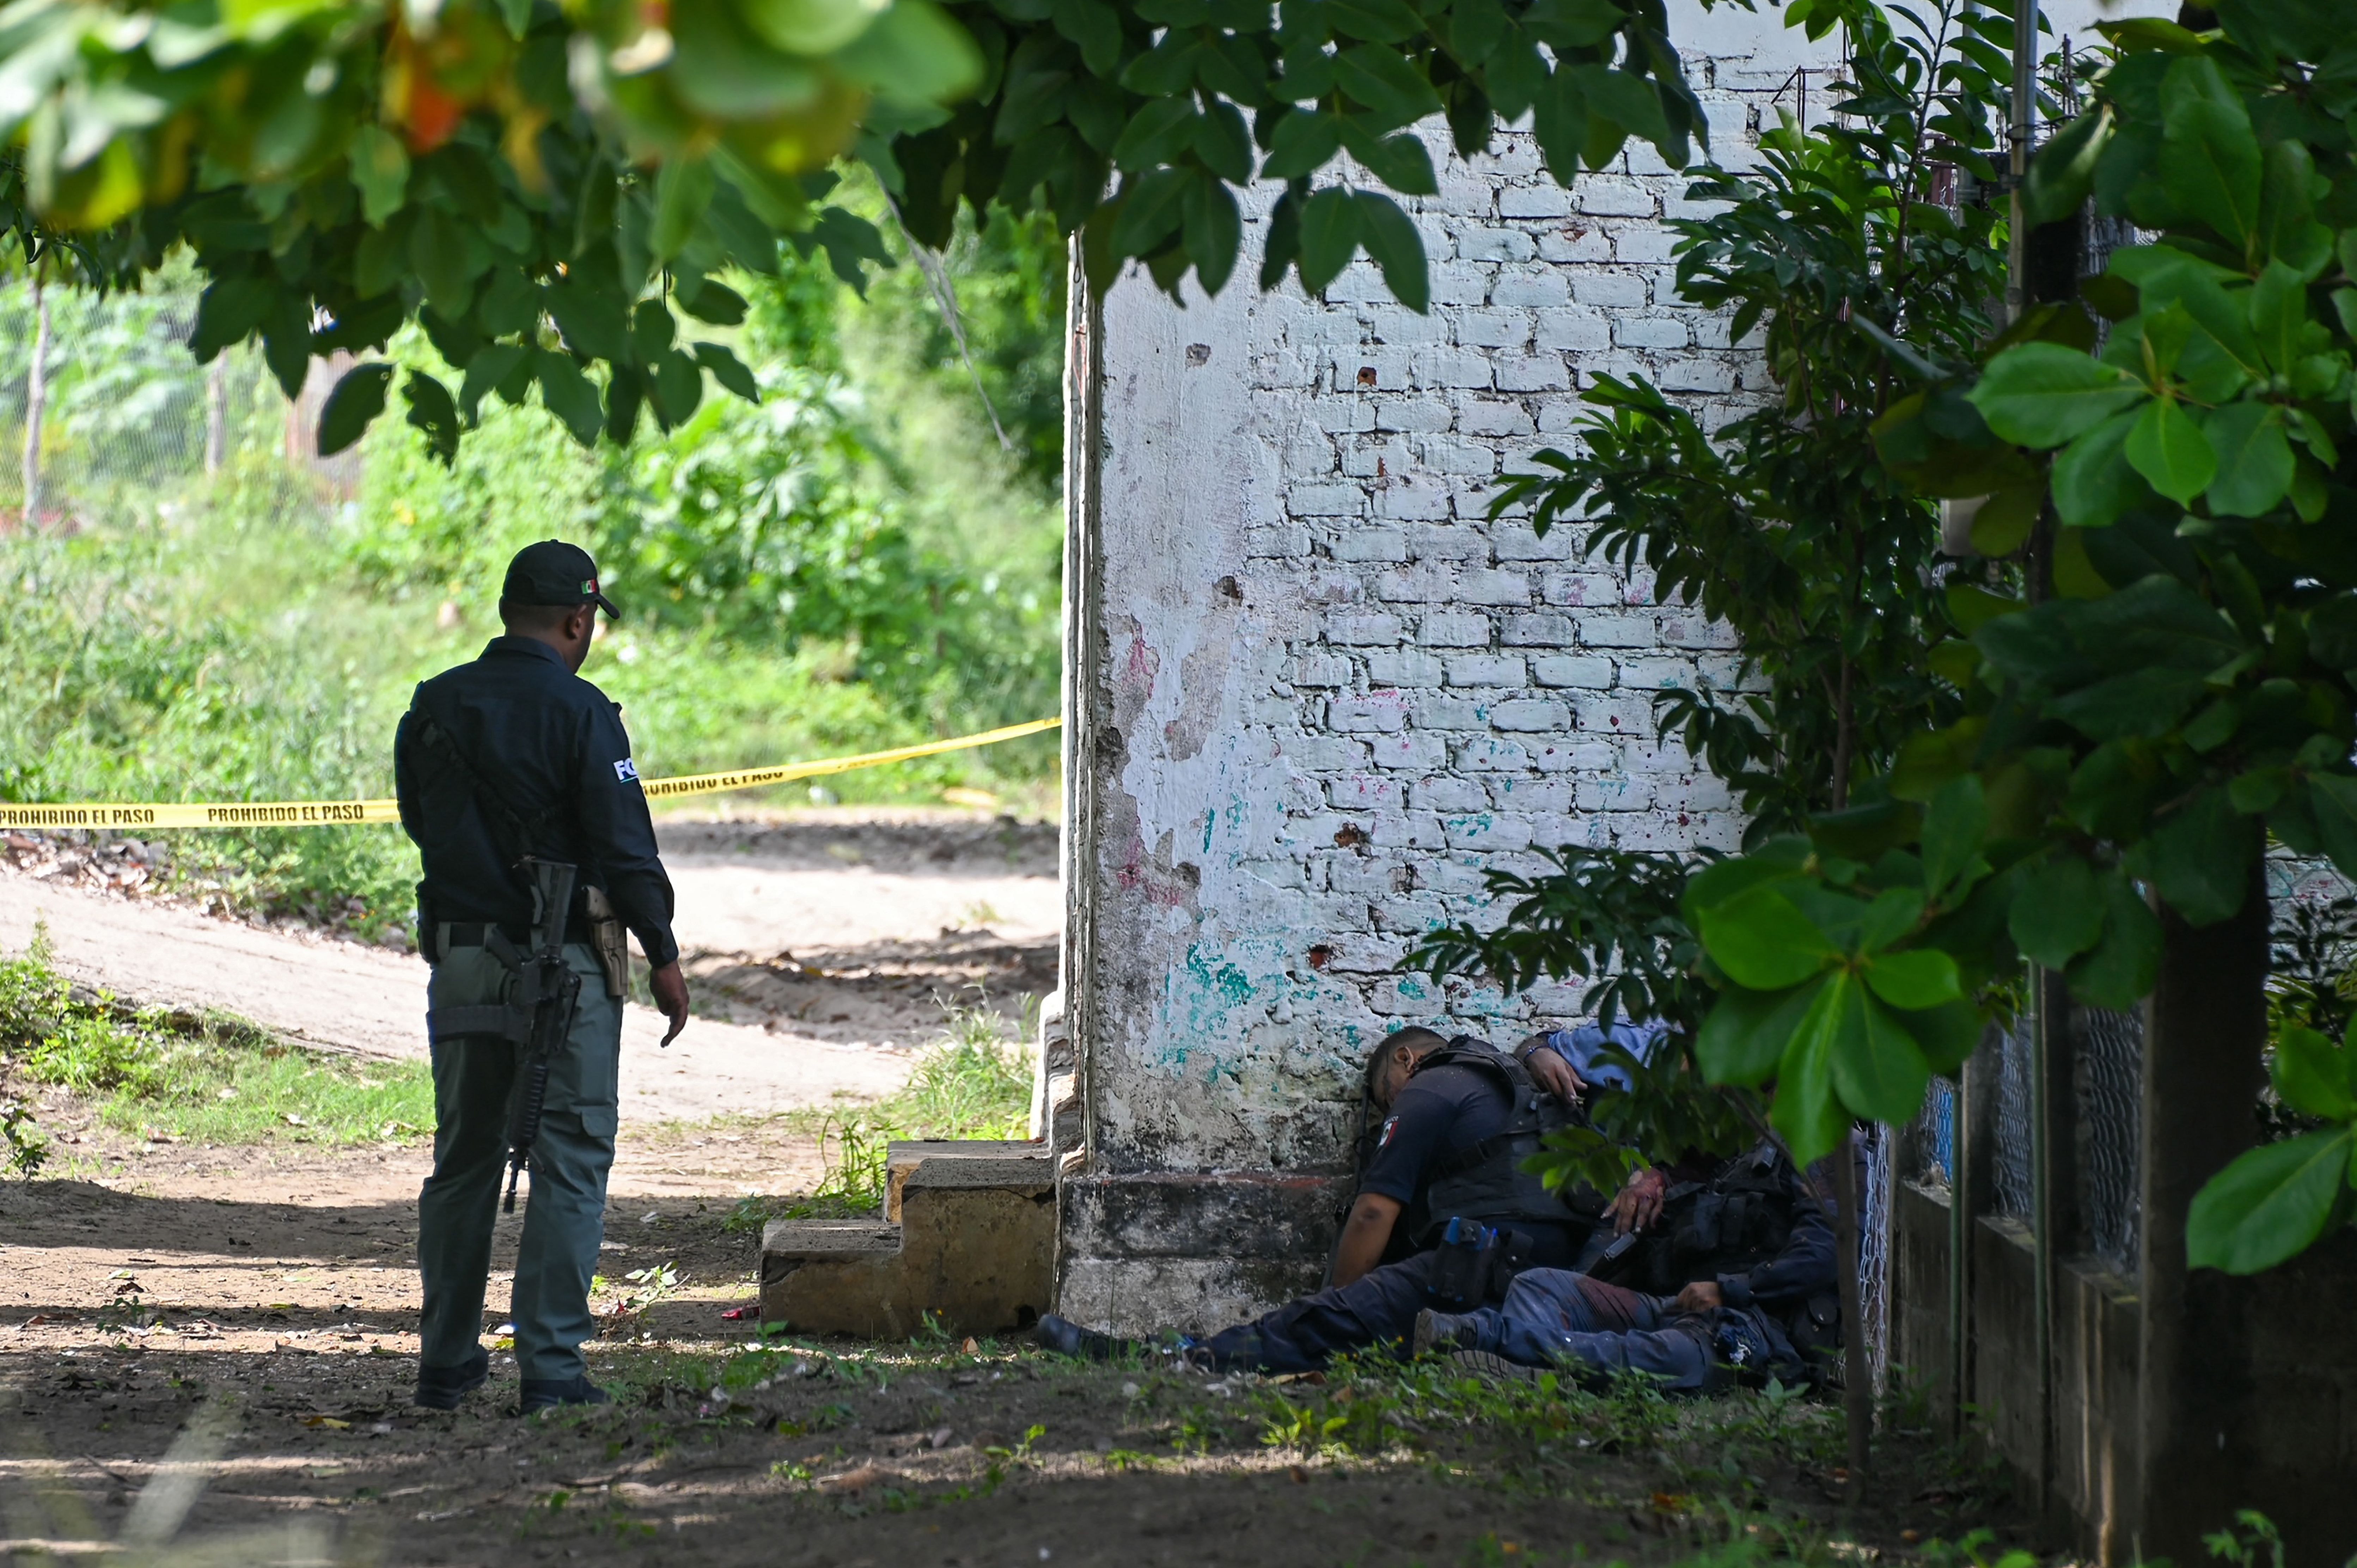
(973, 1081)
(200, 1077)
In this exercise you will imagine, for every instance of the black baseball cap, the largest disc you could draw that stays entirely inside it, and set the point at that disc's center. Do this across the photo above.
(555, 573)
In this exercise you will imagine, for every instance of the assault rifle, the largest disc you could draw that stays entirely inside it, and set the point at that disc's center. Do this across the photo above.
(537, 1016)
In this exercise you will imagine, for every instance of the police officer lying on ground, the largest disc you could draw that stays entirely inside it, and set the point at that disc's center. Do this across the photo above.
(1461, 1118)
(516, 783)
(1729, 1275)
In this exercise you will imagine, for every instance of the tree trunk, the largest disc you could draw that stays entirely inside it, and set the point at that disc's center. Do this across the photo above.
(2204, 1030)
(1857, 1381)
(217, 414)
(36, 403)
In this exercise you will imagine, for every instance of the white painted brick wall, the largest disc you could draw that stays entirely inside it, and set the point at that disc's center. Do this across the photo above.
(1297, 785)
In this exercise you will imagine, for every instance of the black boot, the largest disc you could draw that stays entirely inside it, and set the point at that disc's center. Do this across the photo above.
(441, 1388)
(1066, 1338)
(547, 1393)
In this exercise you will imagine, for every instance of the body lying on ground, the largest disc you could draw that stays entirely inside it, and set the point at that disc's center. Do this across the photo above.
(1732, 1274)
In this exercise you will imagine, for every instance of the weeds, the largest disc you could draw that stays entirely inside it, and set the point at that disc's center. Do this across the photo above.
(200, 1077)
(973, 1081)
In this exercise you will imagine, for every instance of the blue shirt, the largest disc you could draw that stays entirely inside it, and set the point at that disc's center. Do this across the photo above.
(543, 737)
(1582, 1045)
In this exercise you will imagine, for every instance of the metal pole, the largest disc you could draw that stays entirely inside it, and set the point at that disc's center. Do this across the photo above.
(2022, 115)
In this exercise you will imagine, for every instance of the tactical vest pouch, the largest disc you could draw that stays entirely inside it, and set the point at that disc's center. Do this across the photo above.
(605, 938)
(1461, 1266)
(1474, 1264)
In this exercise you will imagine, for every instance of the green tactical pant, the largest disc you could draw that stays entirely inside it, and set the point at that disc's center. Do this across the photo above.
(475, 1079)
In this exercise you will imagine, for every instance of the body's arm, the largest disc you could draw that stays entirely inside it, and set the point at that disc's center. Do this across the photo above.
(1365, 1234)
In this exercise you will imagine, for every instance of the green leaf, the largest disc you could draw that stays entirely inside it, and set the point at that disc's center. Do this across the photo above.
(1763, 941)
(2043, 394)
(437, 249)
(2167, 446)
(1912, 981)
(492, 365)
(2332, 798)
(1382, 21)
(675, 388)
(1744, 1038)
(810, 27)
(1151, 206)
(682, 191)
(2144, 703)
(1806, 1112)
(2209, 164)
(728, 370)
(1953, 826)
(2255, 460)
(713, 302)
(1380, 78)
(1628, 101)
(228, 312)
(1161, 130)
(432, 412)
(1305, 141)
(2199, 858)
(2058, 911)
(2094, 482)
(1889, 919)
(1329, 236)
(2063, 170)
(569, 394)
(2119, 972)
(2271, 1204)
(287, 341)
(358, 399)
(1574, 24)
(1214, 231)
(517, 15)
(2312, 1075)
(1401, 162)
(1878, 1069)
(2278, 309)
(1095, 26)
(651, 330)
(1947, 1035)
(1392, 241)
(1225, 144)
(381, 169)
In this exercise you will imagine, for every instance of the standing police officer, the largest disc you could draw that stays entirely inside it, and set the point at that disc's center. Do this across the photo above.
(502, 763)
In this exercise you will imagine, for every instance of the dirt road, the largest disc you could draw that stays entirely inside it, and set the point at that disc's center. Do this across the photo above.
(822, 946)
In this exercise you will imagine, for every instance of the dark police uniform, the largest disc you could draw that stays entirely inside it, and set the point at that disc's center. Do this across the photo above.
(553, 750)
(1452, 1146)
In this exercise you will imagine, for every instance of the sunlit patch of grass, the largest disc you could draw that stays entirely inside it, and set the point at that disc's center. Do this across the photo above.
(198, 1078)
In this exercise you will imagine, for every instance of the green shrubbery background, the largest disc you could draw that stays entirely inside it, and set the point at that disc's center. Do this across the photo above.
(857, 563)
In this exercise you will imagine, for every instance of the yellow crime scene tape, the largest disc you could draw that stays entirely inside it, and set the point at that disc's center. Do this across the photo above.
(133, 815)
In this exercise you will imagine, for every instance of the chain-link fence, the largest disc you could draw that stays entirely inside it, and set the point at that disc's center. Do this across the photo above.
(2108, 1069)
(2016, 1190)
(126, 416)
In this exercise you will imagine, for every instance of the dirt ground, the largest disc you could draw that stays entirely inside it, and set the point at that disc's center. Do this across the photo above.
(214, 1349)
(206, 1353)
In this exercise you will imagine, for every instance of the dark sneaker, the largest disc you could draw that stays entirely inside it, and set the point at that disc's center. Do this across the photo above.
(1497, 1369)
(441, 1388)
(1441, 1331)
(1066, 1338)
(547, 1393)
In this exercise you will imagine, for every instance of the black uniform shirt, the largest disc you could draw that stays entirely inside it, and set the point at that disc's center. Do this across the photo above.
(540, 736)
(1442, 1109)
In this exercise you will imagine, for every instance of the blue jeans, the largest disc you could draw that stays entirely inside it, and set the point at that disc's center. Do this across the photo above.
(1553, 1315)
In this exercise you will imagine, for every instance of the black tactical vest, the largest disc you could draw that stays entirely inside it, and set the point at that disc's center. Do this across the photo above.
(1486, 1181)
(1730, 1225)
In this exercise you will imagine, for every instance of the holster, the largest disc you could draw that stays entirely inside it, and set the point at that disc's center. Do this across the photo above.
(1475, 1264)
(606, 940)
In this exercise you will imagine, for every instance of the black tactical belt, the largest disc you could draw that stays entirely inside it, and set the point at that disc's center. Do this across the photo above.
(474, 933)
